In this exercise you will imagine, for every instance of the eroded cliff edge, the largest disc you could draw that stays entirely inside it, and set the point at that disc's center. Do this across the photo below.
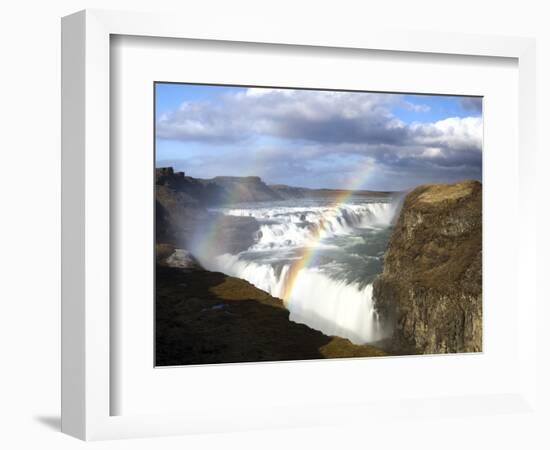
(430, 288)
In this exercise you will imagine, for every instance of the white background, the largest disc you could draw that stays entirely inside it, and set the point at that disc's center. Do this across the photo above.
(29, 328)
(141, 389)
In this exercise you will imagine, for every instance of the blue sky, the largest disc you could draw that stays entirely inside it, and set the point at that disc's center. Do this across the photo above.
(318, 138)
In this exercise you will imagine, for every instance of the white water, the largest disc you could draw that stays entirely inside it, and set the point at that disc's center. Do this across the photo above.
(294, 226)
(333, 294)
(333, 307)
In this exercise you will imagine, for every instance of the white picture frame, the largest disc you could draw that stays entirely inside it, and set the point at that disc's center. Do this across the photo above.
(86, 221)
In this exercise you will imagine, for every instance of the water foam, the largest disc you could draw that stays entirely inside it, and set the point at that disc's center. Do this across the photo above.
(296, 226)
(333, 306)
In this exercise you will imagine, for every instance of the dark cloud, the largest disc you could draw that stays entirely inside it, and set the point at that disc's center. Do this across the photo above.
(328, 138)
(315, 116)
(471, 104)
(374, 130)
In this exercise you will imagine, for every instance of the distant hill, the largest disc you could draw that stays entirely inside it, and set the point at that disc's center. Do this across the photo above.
(288, 192)
(181, 212)
(228, 190)
(246, 189)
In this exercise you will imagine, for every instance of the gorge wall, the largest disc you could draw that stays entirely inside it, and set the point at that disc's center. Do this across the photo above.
(181, 211)
(430, 288)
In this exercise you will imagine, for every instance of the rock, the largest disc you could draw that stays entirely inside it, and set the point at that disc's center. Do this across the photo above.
(245, 189)
(163, 173)
(430, 288)
(219, 190)
(182, 259)
(163, 252)
(290, 192)
(182, 220)
(233, 234)
(177, 216)
(200, 191)
(207, 317)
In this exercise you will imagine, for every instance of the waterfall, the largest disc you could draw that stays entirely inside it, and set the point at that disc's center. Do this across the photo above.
(294, 226)
(334, 307)
(319, 297)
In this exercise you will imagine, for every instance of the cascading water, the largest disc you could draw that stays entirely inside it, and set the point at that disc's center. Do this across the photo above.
(320, 258)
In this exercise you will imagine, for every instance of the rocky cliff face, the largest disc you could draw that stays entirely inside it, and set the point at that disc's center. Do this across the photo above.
(430, 288)
(216, 190)
(193, 190)
(180, 207)
(245, 189)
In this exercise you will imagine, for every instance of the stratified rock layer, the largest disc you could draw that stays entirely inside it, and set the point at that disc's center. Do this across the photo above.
(431, 284)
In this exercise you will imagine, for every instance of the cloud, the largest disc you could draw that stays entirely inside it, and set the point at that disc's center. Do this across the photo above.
(203, 121)
(471, 104)
(318, 116)
(454, 133)
(323, 138)
(415, 107)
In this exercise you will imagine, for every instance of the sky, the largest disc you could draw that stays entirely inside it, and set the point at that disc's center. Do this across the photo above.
(318, 139)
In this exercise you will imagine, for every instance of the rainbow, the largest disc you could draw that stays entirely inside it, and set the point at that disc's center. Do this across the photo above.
(206, 237)
(210, 235)
(308, 252)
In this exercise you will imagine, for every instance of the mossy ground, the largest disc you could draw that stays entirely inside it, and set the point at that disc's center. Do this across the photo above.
(207, 317)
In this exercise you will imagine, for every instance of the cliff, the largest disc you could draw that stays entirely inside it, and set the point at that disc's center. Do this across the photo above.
(207, 317)
(217, 190)
(228, 190)
(430, 288)
(289, 192)
(245, 189)
(180, 208)
(193, 190)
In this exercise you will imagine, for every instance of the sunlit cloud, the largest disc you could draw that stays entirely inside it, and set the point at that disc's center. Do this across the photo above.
(321, 138)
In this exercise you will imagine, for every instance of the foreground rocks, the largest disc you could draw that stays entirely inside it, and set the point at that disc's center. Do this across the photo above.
(207, 317)
(430, 288)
